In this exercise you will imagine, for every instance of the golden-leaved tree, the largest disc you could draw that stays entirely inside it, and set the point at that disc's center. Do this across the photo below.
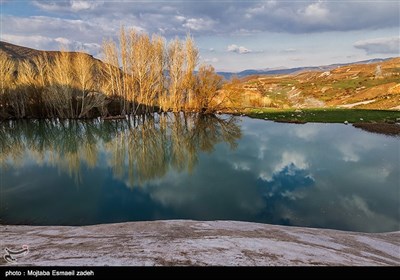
(140, 74)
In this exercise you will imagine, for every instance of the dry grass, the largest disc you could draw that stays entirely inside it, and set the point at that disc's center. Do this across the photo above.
(345, 85)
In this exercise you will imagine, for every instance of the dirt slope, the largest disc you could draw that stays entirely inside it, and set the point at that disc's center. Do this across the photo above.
(372, 86)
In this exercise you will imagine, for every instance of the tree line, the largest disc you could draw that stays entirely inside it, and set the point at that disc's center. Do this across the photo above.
(139, 74)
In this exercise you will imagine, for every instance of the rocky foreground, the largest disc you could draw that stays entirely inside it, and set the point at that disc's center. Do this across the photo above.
(226, 243)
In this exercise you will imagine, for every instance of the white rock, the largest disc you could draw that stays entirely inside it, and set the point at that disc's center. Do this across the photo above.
(205, 243)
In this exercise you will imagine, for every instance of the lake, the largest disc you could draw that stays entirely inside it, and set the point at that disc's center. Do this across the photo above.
(198, 167)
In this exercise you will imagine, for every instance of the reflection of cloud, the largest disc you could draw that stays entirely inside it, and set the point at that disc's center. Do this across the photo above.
(262, 150)
(289, 160)
(241, 166)
(356, 202)
(306, 132)
(285, 183)
(347, 150)
(213, 192)
(291, 195)
(292, 158)
(167, 196)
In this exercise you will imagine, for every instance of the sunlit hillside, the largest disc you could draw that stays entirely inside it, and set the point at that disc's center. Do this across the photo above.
(367, 86)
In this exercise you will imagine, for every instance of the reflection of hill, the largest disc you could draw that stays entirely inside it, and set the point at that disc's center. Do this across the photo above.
(137, 150)
(380, 128)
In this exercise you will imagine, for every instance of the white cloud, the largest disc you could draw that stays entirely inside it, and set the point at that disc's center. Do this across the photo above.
(199, 24)
(47, 43)
(386, 45)
(83, 5)
(211, 60)
(62, 41)
(175, 17)
(260, 9)
(316, 11)
(180, 18)
(33, 41)
(67, 6)
(48, 33)
(238, 49)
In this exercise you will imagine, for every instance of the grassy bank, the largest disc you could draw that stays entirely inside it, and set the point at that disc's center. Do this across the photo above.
(326, 115)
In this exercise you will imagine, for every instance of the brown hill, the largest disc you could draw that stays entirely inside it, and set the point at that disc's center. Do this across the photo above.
(372, 86)
(20, 53)
(39, 84)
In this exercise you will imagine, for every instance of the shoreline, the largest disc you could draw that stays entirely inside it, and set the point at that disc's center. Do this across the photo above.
(198, 243)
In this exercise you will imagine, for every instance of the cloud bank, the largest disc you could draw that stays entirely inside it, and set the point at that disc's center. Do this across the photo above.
(387, 45)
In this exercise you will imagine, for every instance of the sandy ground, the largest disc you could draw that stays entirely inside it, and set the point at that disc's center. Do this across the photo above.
(226, 243)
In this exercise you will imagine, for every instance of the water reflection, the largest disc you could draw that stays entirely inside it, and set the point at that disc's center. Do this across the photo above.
(141, 148)
(199, 167)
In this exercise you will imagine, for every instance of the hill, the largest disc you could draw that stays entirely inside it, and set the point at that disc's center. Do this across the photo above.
(365, 85)
(140, 77)
(285, 71)
(372, 84)
(20, 53)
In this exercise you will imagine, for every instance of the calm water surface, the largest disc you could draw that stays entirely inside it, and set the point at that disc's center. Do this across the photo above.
(198, 167)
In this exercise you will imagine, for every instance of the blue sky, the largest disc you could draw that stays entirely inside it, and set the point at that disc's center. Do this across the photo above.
(232, 35)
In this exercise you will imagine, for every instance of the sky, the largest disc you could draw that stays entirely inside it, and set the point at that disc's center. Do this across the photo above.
(232, 35)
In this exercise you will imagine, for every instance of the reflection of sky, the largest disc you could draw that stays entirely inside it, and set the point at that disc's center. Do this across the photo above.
(317, 175)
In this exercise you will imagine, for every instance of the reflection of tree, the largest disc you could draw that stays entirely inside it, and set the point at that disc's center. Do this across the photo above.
(137, 150)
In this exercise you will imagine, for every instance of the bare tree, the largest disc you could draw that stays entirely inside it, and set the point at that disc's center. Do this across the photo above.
(158, 69)
(59, 96)
(143, 57)
(132, 95)
(192, 58)
(113, 71)
(207, 85)
(176, 60)
(124, 59)
(83, 73)
(7, 68)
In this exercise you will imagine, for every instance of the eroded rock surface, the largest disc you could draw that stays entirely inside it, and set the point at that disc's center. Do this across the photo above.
(226, 243)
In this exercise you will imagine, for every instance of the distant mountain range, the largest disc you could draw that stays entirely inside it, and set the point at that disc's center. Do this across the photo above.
(286, 71)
